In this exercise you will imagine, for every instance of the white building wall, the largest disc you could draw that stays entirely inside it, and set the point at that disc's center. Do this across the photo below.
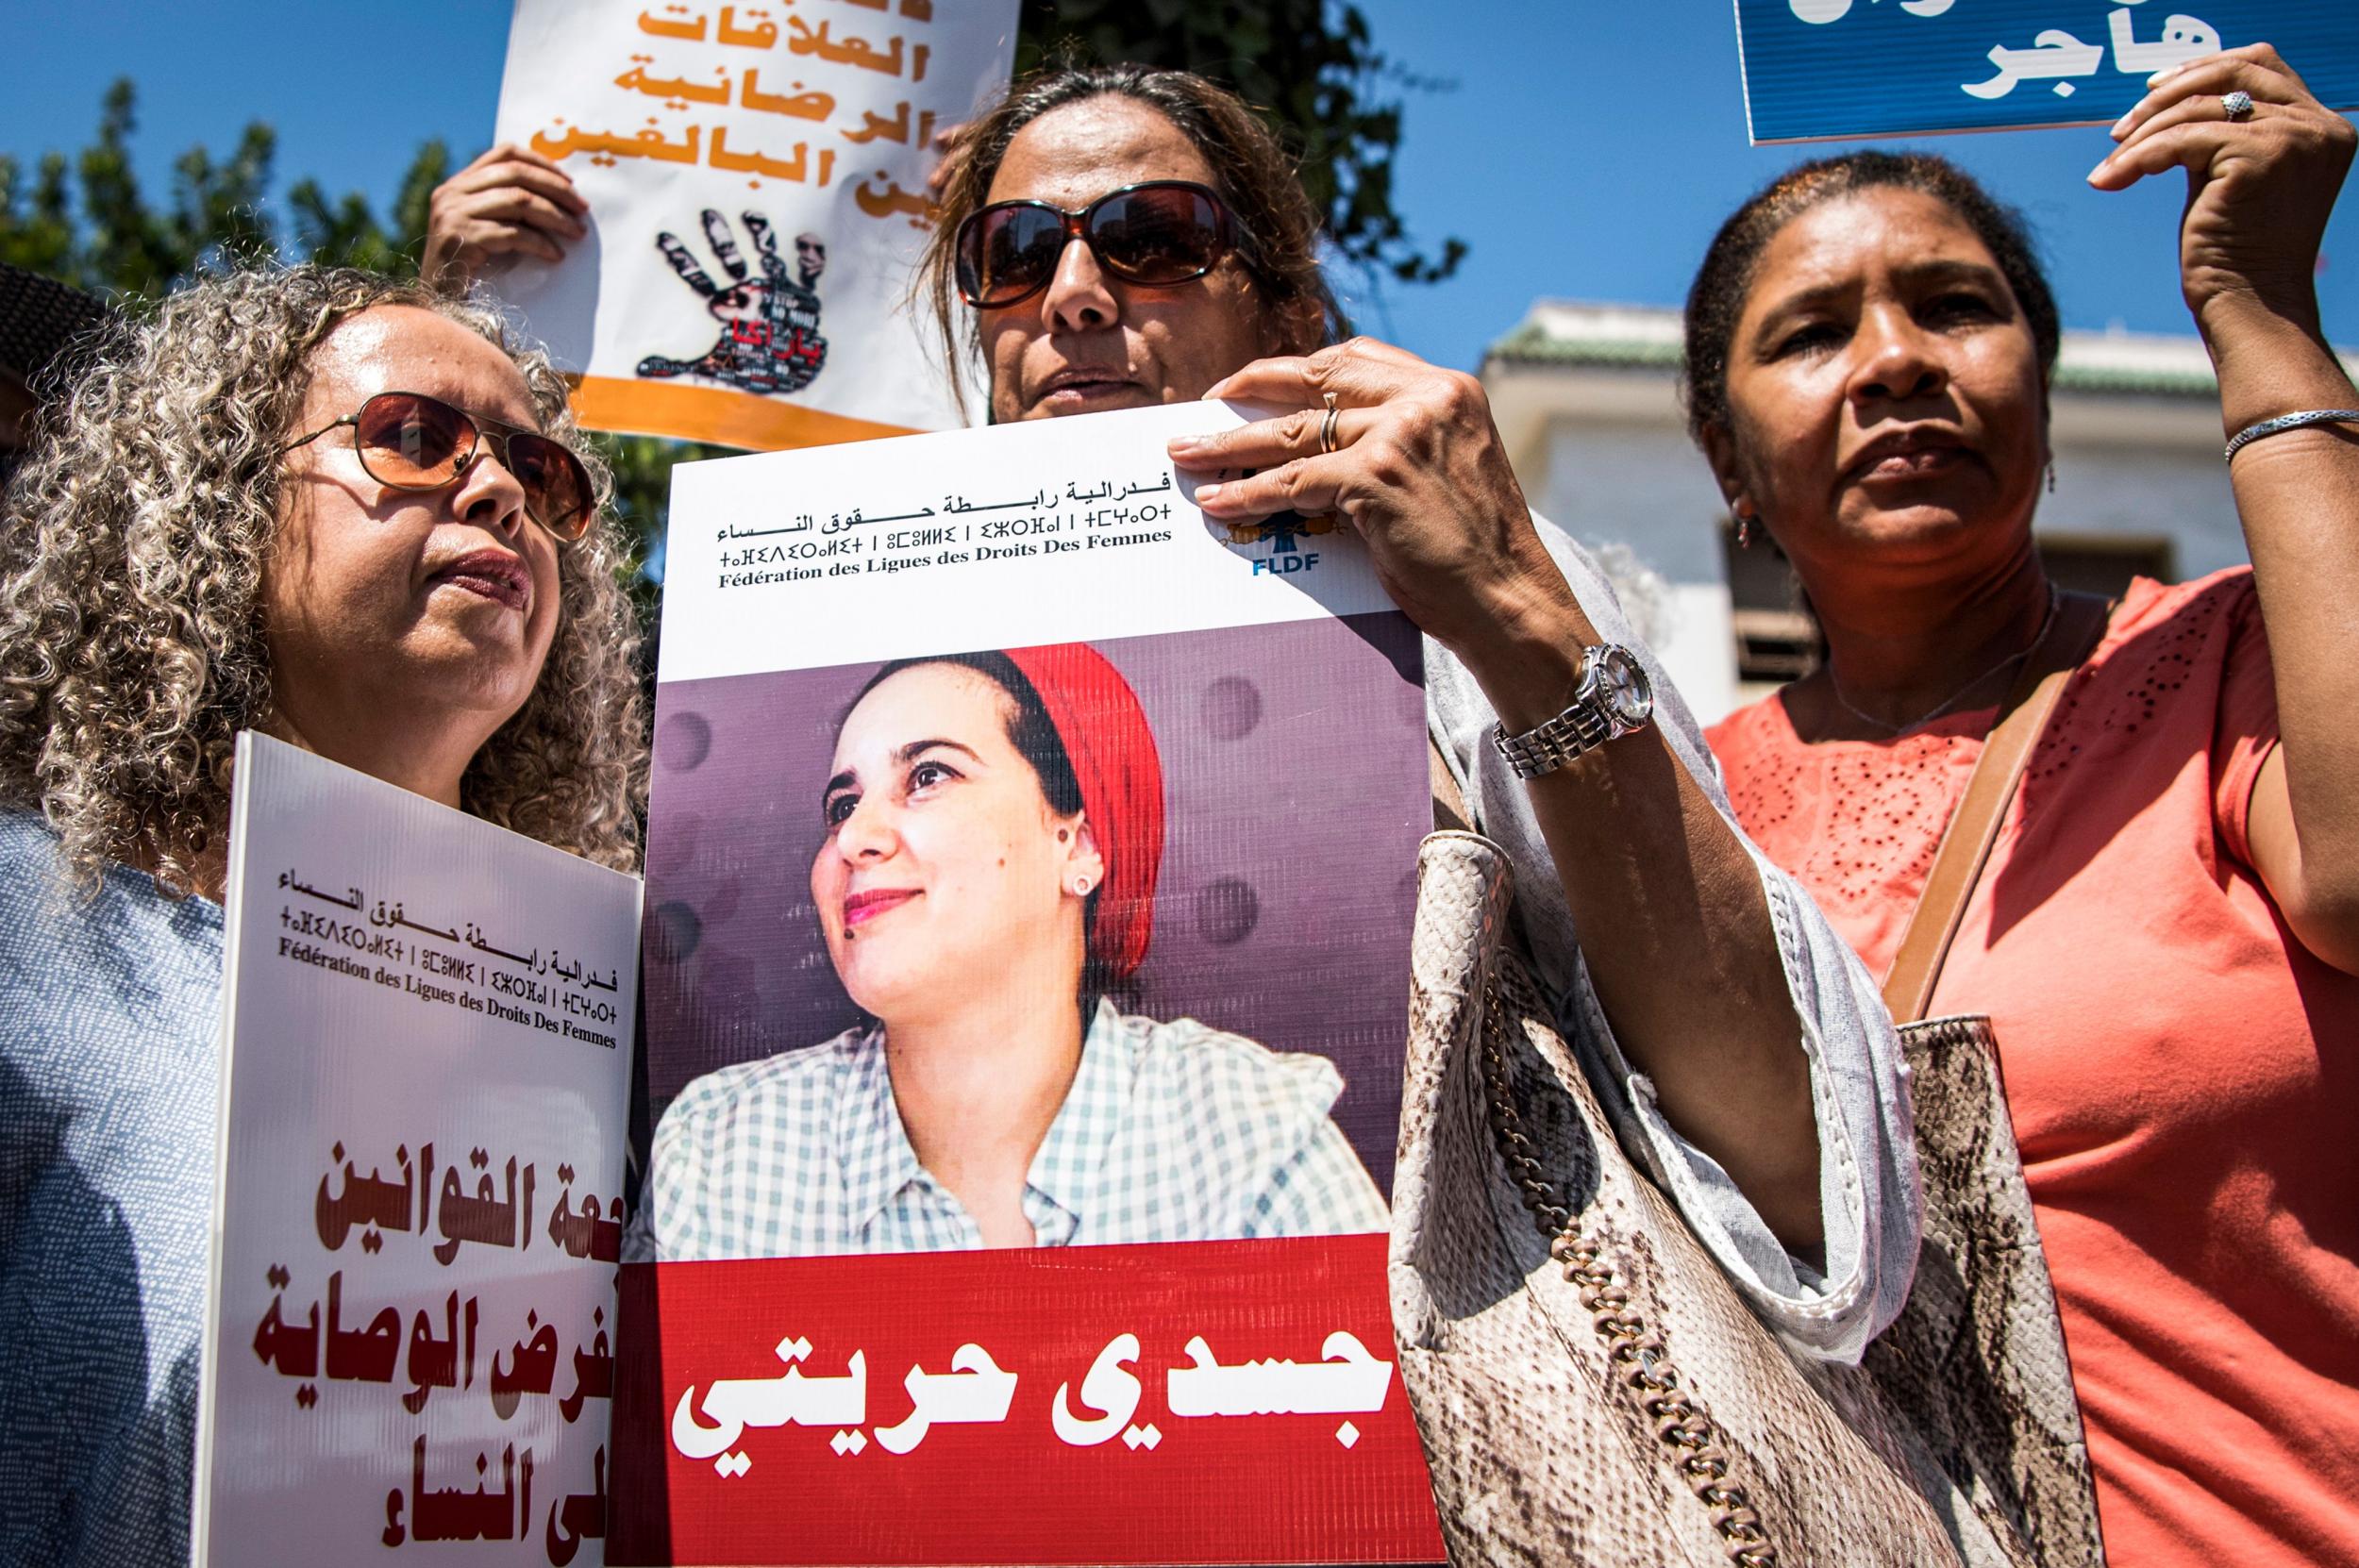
(2182, 494)
(1644, 486)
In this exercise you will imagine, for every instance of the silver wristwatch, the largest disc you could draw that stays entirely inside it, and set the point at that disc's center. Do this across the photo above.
(1614, 699)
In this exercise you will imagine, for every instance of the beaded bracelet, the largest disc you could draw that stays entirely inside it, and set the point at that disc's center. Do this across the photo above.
(2289, 422)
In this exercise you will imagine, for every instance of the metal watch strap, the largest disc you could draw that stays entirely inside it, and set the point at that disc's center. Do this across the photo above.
(1584, 726)
(1550, 745)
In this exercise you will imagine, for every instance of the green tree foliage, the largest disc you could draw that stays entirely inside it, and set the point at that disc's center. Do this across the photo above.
(347, 233)
(1311, 64)
(120, 246)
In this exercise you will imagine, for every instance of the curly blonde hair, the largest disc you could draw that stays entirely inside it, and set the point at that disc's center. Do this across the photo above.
(131, 638)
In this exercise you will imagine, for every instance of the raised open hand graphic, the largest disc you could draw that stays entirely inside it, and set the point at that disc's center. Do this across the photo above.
(769, 340)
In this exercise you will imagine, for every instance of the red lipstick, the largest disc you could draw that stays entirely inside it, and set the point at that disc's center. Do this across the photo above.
(866, 904)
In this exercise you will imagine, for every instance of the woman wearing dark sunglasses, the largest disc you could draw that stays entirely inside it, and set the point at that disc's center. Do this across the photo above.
(315, 503)
(1115, 238)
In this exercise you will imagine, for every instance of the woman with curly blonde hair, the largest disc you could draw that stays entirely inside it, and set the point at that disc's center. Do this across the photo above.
(341, 511)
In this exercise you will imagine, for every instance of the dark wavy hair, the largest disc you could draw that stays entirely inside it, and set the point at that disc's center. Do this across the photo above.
(1252, 171)
(1726, 278)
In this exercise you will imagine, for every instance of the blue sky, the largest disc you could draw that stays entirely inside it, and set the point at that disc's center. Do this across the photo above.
(1587, 151)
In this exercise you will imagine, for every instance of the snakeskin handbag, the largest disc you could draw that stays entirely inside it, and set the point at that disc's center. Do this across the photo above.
(1589, 1386)
(1977, 1355)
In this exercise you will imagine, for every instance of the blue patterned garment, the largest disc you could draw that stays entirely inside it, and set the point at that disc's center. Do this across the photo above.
(1171, 1132)
(110, 1015)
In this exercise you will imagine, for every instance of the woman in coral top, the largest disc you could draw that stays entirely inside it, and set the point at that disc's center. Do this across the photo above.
(2167, 932)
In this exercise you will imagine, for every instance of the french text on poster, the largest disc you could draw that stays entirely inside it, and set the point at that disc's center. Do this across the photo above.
(410, 1337)
(1029, 889)
(1038, 532)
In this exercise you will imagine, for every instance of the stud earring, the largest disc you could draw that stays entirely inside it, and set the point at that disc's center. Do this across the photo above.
(1080, 887)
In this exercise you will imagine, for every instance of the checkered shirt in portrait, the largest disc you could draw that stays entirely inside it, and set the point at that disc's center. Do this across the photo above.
(1171, 1132)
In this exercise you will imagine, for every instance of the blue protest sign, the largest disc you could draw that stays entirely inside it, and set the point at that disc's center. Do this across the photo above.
(1817, 70)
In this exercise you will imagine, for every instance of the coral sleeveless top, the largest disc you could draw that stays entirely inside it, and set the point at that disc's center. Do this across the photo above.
(2182, 1074)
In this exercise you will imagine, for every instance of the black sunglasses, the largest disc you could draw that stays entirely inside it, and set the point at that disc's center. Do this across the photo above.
(1159, 232)
(408, 441)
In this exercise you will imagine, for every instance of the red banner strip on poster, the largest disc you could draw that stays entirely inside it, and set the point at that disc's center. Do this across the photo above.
(987, 1407)
(714, 414)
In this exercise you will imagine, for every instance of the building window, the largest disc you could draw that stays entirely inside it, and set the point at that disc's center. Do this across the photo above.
(2104, 564)
(1776, 638)
(1777, 641)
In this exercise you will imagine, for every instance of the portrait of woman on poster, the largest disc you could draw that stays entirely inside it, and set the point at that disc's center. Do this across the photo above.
(994, 828)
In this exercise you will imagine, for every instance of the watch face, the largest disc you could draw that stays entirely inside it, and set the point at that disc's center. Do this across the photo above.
(1623, 689)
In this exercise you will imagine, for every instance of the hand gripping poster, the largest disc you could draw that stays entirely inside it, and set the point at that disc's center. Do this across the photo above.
(411, 1343)
(756, 177)
(1030, 875)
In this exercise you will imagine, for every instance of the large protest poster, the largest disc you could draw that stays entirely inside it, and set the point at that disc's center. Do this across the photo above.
(410, 1339)
(1030, 877)
(756, 176)
(1821, 69)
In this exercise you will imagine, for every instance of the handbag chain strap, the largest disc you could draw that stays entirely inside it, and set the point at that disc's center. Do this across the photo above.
(1641, 1360)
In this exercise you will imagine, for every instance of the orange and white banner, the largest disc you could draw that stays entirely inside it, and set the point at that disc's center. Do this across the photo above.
(756, 176)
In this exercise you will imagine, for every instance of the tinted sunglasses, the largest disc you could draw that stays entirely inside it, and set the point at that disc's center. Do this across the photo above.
(408, 440)
(1162, 232)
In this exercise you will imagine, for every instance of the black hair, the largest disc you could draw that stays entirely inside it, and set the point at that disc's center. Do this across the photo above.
(1034, 736)
(1726, 278)
(1030, 729)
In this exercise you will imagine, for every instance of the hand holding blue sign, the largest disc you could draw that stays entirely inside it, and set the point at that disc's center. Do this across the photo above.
(2264, 161)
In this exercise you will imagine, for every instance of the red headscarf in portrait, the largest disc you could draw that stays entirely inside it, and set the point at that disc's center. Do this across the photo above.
(1104, 729)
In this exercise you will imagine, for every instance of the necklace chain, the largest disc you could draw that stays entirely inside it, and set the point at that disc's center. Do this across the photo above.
(1956, 696)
